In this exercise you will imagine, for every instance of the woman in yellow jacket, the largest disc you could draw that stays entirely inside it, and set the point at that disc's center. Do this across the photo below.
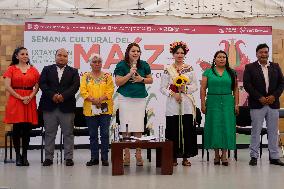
(97, 89)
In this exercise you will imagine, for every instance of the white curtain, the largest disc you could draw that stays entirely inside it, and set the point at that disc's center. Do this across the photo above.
(180, 8)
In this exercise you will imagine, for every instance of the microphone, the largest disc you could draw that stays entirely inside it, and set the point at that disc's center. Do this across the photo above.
(134, 65)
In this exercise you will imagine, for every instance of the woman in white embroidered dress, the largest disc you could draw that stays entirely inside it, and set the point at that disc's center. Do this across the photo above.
(180, 107)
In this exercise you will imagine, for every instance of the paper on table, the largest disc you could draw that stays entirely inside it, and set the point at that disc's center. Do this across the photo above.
(152, 137)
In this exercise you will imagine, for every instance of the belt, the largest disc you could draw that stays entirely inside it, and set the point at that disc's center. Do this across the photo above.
(220, 94)
(24, 88)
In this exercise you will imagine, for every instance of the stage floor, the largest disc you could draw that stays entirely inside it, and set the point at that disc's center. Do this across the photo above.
(201, 175)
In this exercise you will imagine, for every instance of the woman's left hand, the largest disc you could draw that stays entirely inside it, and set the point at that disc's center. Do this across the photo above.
(27, 99)
(137, 78)
(237, 110)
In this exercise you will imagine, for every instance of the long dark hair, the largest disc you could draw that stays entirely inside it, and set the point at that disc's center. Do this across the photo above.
(126, 56)
(15, 61)
(227, 66)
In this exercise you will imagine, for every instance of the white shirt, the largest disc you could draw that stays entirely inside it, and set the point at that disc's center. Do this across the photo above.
(172, 107)
(60, 72)
(265, 73)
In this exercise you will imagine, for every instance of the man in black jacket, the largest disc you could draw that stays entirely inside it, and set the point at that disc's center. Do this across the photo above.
(263, 80)
(59, 84)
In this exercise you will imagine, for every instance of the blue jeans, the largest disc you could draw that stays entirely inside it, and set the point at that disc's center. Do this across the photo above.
(93, 123)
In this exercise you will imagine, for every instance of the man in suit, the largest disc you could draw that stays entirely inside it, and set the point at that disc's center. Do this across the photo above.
(59, 84)
(263, 80)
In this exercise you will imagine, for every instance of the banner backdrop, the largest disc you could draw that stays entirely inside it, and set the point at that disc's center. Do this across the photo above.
(110, 41)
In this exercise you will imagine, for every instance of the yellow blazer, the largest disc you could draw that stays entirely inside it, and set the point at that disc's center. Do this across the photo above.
(91, 87)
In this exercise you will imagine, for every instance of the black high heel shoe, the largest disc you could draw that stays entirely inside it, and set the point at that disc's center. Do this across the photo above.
(19, 160)
(25, 161)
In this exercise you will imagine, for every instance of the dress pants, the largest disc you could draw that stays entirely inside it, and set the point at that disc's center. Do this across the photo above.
(271, 117)
(51, 122)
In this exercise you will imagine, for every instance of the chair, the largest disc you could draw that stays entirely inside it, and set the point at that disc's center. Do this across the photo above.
(80, 126)
(200, 130)
(36, 130)
(146, 131)
(243, 120)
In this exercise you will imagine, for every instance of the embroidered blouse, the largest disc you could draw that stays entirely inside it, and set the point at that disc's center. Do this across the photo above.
(96, 87)
(172, 107)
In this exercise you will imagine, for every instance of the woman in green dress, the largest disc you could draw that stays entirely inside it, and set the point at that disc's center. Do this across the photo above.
(220, 107)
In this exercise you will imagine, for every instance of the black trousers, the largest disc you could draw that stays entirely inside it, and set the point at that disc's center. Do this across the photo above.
(21, 131)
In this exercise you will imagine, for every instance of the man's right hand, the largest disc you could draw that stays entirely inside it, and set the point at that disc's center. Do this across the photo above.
(263, 101)
(270, 99)
(60, 98)
(55, 98)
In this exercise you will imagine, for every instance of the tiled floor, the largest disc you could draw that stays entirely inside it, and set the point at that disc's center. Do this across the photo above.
(201, 175)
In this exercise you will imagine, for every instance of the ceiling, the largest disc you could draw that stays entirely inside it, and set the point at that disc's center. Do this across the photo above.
(179, 8)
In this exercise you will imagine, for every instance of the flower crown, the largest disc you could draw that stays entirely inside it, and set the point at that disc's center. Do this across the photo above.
(179, 43)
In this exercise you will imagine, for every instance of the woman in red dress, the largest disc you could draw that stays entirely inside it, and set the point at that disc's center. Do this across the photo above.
(21, 82)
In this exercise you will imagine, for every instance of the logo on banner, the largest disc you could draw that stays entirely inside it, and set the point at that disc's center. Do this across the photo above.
(237, 60)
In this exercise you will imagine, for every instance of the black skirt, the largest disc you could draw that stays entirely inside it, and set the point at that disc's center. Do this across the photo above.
(189, 147)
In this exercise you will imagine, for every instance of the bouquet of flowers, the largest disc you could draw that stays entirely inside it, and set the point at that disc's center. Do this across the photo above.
(179, 83)
(181, 80)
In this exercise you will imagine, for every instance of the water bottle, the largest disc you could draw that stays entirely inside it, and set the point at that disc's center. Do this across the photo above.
(162, 133)
(159, 132)
(57, 158)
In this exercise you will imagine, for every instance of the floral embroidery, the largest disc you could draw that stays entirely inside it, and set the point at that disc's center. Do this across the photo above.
(97, 80)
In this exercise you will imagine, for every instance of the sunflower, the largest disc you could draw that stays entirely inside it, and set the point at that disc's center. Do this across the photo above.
(181, 80)
(185, 79)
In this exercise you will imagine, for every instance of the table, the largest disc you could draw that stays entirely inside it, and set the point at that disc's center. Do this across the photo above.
(164, 154)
